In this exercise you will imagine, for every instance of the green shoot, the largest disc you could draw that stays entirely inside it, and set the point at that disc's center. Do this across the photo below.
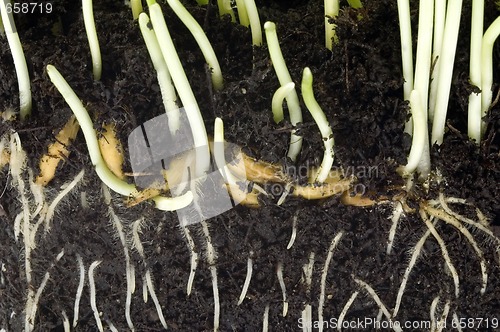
(489, 38)
(476, 39)
(284, 77)
(164, 80)
(88, 19)
(277, 102)
(406, 52)
(136, 6)
(448, 50)
(183, 89)
(323, 125)
(242, 13)
(102, 170)
(331, 11)
(202, 40)
(225, 9)
(253, 16)
(23, 78)
(202, 2)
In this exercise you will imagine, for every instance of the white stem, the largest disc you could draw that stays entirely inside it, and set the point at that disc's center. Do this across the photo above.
(95, 51)
(184, 90)
(253, 17)
(489, 38)
(164, 80)
(284, 77)
(331, 11)
(324, 274)
(448, 50)
(202, 40)
(277, 101)
(242, 13)
(23, 78)
(439, 21)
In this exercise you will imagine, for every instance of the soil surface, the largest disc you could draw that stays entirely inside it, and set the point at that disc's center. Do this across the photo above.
(359, 87)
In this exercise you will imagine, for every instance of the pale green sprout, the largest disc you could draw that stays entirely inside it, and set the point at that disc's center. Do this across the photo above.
(23, 78)
(253, 16)
(202, 40)
(474, 121)
(242, 13)
(422, 73)
(489, 38)
(226, 9)
(95, 51)
(136, 6)
(439, 105)
(164, 80)
(183, 88)
(406, 52)
(284, 78)
(331, 11)
(202, 2)
(102, 170)
(323, 125)
(277, 101)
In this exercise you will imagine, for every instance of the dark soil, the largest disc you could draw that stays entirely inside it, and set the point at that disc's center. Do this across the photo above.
(358, 85)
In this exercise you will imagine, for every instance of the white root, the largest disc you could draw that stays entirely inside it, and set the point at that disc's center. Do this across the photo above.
(294, 232)
(307, 280)
(324, 274)
(211, 258)
(67, 189)
(396, 215)
(244, 290)
(461, 228)
(194, 259)
(34, 298)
